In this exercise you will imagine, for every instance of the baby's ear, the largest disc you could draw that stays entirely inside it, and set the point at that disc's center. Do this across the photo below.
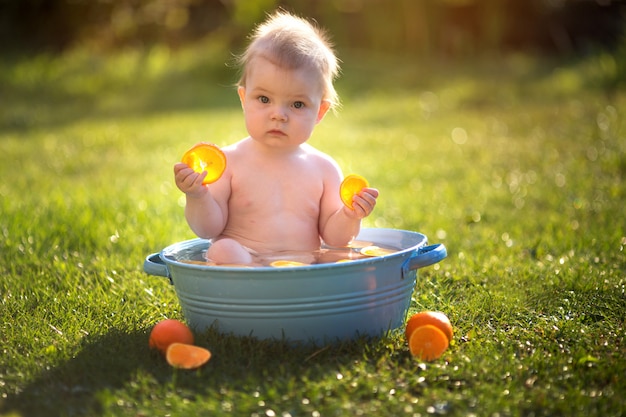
(242, 94)
(324, 107)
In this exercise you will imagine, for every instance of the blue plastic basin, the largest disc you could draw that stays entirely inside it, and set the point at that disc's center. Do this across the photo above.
(319, 303)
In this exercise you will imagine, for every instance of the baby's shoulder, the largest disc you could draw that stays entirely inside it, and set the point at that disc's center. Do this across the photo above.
(323, 164)
(233, 148)
(318, 156)
(236, 151)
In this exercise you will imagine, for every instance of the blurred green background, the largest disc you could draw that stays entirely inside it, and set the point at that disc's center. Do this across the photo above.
(495, 127)
(421, 27)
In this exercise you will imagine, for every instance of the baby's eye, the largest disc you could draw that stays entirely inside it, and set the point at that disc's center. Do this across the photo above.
(264, 99)
(298, 104)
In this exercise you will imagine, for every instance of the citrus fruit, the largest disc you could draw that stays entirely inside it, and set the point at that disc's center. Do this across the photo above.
(206, 157)
(186, 356)
(375, 251)
(283, 263)
(358, 244)
(435, 318)
(427, 342)
(351, 186)
(169, 331)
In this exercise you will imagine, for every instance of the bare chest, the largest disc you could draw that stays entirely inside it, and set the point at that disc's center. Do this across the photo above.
(276, 190)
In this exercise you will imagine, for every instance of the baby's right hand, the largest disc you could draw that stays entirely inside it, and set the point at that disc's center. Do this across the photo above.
(189, 181)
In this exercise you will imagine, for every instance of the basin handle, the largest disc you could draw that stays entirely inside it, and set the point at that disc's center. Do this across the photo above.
(425, 256)
(154, 265)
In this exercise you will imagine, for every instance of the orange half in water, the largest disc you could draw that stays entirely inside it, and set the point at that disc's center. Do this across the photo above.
(206, 157)
(286, 263)
(351, 186)
(376, 251)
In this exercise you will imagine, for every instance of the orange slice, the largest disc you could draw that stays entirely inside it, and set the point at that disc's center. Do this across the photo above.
(435, 318)
(428, 343)
(351, 186)
(283, 263)
(376, 251)
(358, 244)
(206, 157)
(185, 356)
(193, 262)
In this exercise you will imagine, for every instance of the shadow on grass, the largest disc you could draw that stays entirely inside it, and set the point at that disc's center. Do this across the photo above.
(119, 366)
(106, 361)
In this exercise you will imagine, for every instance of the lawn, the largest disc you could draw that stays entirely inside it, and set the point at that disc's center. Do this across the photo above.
(516, 164)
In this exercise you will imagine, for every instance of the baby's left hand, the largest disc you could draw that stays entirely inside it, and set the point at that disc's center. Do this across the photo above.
(364, 203)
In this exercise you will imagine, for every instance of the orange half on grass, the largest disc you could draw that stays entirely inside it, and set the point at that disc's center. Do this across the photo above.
(351, 186)
(435, 318)
(206, 157)
(428, 343)
(184, 356)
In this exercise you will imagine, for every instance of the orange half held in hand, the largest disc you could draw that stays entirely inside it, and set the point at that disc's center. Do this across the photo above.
(206, 157)
(351, 186)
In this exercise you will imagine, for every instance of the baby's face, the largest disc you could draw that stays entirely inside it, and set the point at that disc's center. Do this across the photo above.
(281, 106)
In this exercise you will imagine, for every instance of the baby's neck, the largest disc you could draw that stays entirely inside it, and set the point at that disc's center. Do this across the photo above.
(271, 152)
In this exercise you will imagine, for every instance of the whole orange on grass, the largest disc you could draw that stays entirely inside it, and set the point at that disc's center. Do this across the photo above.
(169, 331)
(436, 318)
(428, 334)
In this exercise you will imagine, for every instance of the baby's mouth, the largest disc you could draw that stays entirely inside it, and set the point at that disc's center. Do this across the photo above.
(276, 132)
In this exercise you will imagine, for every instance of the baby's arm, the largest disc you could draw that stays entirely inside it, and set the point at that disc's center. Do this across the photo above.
(344, 224)
(204, 213)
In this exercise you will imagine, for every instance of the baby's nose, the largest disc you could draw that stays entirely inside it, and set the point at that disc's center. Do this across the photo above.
(279, 113)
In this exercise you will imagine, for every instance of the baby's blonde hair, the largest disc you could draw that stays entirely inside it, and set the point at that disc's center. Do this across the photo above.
(291, 43)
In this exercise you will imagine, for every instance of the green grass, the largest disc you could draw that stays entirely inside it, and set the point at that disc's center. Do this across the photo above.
(516, 165)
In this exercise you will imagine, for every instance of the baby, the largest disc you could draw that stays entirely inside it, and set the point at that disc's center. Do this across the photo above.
(278, 193)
